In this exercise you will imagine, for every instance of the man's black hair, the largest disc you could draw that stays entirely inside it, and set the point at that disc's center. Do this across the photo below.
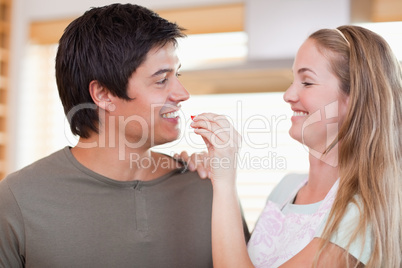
(106, 44)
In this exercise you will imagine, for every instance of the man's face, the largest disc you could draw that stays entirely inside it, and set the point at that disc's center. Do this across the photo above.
(151, 117)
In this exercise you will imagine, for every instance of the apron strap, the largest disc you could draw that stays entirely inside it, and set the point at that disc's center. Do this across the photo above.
(294, 193)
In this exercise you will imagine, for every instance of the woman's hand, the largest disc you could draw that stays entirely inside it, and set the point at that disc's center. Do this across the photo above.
(222, 141)
(196, 162)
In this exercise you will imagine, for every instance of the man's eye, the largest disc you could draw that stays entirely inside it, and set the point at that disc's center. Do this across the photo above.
(178, 74)
(162, 81)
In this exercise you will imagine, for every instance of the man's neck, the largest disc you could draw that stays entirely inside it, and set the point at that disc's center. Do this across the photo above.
(121, 163)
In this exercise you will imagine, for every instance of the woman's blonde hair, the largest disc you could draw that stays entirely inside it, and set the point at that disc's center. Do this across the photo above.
(370, 139)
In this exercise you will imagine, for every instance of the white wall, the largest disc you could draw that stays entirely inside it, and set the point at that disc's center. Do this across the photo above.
(26, 11)
(275, 28)
(45, 9)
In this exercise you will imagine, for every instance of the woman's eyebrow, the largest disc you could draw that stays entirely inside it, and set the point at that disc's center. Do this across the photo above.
(305, 69)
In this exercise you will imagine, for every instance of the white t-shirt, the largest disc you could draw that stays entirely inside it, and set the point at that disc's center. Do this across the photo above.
(285, 192)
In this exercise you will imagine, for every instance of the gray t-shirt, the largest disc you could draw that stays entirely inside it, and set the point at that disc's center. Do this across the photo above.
(57, 213)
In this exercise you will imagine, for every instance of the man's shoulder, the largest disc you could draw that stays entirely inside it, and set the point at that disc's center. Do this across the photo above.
(166, 164)
(192, 176)
(38, 168)
(185, 173)
(189, 181)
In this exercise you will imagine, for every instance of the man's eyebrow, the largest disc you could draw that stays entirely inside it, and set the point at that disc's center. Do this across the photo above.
(162, 71)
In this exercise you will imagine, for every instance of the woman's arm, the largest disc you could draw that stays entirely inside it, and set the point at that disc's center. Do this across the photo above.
(228, 244)
(222, 140)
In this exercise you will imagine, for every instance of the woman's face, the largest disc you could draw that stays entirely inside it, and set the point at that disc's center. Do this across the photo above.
(318, 105)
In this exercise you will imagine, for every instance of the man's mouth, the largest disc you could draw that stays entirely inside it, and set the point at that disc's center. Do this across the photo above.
(170, 114)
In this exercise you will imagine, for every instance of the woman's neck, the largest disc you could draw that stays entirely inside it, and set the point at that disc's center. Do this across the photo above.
(323, 173)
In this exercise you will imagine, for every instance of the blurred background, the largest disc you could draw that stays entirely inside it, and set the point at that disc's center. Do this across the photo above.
(236, 61)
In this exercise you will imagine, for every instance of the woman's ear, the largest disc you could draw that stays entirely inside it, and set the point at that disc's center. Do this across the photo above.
(100, 95)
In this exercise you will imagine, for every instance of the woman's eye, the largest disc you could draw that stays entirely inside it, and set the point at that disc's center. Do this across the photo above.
(178, 74)
(307, 83)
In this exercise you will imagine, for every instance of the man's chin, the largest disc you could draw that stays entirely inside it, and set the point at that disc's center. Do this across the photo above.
(166, 140)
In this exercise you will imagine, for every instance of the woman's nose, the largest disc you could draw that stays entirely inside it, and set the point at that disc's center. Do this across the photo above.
(290, 94)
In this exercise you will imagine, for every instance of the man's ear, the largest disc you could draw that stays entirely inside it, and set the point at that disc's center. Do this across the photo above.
(100, 95)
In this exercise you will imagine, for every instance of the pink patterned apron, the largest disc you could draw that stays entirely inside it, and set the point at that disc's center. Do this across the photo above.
(278, 237)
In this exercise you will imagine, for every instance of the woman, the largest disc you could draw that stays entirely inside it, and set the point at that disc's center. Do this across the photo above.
(346, 212)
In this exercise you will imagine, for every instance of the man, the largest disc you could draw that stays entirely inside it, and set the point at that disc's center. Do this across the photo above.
(110, 201)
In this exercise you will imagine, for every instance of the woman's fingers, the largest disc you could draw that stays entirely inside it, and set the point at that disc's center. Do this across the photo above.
(216, 129)
(215, 140)
(211, 122)
(222, 141)
(183, 156)
(196, 162)
(199, 162)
